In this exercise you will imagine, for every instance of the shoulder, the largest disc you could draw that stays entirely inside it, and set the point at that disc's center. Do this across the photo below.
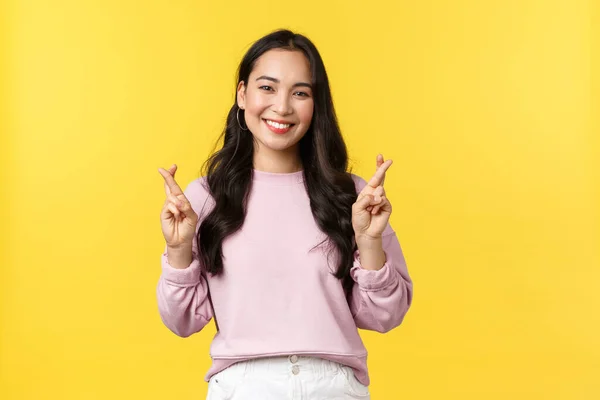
(359, 182)
(198, 194)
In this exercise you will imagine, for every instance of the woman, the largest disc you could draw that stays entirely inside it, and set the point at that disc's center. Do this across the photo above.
(285, 249)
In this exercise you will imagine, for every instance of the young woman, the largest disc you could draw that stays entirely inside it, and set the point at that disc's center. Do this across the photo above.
(285, 249)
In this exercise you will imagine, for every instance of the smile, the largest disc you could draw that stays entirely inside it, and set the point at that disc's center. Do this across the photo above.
(277, 124)
(277, 127)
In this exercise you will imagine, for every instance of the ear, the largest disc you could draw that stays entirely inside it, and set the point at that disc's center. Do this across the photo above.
(241, 95)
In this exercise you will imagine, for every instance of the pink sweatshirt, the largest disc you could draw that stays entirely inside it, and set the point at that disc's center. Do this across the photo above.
(275, 296)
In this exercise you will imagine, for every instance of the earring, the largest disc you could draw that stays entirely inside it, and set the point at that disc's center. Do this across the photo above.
(237, 115)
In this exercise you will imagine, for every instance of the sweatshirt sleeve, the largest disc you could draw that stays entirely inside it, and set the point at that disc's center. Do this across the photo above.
(380, 299)
(182, 294)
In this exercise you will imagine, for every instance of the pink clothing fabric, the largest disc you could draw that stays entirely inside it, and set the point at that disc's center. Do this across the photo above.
(276, 297)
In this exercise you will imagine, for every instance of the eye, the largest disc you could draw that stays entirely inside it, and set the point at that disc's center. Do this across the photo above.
(266, 87)
(302, 94)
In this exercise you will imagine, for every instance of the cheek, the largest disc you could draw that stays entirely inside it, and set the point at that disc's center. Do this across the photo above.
(305, 112)
(255, 104)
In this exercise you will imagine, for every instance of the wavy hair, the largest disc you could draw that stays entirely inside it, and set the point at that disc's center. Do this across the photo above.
(323, 154)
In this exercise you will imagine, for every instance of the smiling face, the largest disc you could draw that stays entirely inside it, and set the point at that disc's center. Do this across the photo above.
(278, 104)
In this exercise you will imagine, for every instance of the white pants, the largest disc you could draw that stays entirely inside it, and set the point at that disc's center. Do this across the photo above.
(289, 378)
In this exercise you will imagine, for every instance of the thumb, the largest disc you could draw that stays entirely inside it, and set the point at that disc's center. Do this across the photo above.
(183, 205)
(363, 202)
(188, 211)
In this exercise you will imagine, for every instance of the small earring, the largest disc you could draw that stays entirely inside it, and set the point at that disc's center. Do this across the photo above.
(237, 115)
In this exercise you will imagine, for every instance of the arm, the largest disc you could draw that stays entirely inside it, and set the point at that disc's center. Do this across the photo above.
(383, 290)
(182, 290)
(380, 297)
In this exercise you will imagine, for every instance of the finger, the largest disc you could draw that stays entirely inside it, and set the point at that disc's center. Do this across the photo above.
(183, 205)
(165, 213)
(385, 205)
(362, 203)
(375, 203)
(175, 200)
(378, 193)
(172, 171)
(174, 210)
(379, 176)
(380, 160)
(376, 209)
(378, 206)
(375, 195)
(170, 182)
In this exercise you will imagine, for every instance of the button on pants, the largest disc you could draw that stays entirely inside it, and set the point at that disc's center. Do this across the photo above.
(286, 378)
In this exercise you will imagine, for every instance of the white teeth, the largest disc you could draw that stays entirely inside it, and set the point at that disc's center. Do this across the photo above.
(278, 125)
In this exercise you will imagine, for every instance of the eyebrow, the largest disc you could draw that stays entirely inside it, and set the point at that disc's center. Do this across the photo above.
(297, 84)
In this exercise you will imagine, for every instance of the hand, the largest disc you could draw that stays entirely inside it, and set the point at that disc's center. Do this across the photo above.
(178, 219)
(371, 211)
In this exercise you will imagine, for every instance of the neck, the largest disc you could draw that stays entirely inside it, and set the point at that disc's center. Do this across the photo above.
(278, 162)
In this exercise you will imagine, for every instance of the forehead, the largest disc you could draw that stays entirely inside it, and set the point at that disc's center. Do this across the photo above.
(286, 65)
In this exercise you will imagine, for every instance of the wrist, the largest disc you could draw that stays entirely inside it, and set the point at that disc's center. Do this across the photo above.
(367, 242)
(179, 257)
(372, 256)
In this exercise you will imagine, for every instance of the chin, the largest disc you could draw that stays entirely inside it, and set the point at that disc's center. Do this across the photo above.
(278, 146)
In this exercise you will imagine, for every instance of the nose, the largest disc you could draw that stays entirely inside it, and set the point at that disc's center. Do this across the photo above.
(282, 105)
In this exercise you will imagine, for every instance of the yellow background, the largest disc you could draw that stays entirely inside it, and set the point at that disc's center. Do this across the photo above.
(485, 107)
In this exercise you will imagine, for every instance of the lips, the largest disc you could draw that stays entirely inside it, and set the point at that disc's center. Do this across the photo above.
(279, 127)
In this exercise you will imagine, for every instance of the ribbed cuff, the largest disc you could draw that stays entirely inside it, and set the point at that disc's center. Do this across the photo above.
(371, 280)
(189, 276)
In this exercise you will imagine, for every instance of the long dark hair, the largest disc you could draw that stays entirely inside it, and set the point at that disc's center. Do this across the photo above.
(323, 154)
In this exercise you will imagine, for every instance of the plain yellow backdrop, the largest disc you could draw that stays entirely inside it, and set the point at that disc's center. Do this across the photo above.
(485, 107)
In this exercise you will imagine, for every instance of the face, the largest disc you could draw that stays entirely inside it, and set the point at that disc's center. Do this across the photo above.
(278, 102)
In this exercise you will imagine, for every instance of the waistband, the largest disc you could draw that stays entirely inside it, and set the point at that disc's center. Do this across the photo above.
(284, 365)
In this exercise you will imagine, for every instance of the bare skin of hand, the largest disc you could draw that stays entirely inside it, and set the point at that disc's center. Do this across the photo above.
(372, 209)
(178, 221)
